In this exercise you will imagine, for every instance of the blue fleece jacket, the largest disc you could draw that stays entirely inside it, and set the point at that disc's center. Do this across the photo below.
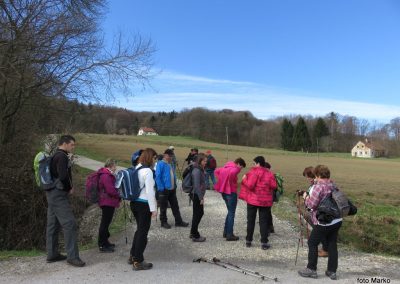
(163, 176)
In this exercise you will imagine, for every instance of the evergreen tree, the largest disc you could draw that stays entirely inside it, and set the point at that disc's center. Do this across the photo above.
(301, 137)
(287, 134)
(320, 130)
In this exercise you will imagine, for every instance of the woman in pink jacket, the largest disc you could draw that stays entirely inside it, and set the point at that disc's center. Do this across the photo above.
(227, 186)
(108, 200)
(257, 190)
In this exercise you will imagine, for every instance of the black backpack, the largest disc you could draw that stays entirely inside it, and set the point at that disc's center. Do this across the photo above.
(187, 185)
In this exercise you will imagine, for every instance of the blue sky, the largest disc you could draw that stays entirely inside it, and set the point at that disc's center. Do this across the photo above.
(271, 57)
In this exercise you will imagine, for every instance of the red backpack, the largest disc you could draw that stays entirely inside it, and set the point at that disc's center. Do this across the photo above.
(92, 187)
(211, 163)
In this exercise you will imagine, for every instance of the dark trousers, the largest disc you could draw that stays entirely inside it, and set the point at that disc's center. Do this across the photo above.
(270, 221)
(142, 214)
(60, 215)
(263, 214)
(318, 234)
(231, 203)
(106, 218)
(169, 196)
(198, 212)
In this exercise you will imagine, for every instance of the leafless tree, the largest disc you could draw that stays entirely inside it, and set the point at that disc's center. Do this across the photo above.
(55, 48)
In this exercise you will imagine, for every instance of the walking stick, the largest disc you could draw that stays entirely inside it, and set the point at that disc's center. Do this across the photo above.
(126, 236)
(245, 269)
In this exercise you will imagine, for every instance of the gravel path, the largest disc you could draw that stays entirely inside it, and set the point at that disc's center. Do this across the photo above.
(172, 253)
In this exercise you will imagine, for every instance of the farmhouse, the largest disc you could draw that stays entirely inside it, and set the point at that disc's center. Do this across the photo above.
(368, 150)
(146, 131)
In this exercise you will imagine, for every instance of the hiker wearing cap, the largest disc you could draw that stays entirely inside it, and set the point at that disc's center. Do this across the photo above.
(166, 187)
(257, 190)
(227, 186)
(211, 165)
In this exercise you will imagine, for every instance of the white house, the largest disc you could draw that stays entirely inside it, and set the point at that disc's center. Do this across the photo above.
(368, 150)
(146, 131)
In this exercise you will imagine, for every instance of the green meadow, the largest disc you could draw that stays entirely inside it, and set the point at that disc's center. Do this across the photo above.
(372, 184)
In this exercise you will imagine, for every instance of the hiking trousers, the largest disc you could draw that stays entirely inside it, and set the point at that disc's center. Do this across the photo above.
(198, 212)
(106, 218)
(60, 215)
(231, 203)
(210, 174)
(141, 211)
(165, 197)
(263, 214)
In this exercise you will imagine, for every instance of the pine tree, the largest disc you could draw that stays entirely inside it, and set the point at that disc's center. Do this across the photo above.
(287, 134)
(301, 137)
(320, 130)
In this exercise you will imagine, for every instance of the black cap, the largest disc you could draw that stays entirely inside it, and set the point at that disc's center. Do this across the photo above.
(169, 152)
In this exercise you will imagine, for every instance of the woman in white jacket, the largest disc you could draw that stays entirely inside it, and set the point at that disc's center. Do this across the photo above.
(143, 208)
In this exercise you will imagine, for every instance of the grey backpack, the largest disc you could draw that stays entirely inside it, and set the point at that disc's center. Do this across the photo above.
(187, 185)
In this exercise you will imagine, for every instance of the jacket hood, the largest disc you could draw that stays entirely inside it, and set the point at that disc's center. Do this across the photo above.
(104, 171)
(230, 164)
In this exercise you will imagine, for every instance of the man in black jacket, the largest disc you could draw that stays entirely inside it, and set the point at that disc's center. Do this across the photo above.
(59, 211)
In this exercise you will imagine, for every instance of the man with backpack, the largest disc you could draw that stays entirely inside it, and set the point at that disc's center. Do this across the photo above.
(211, 165)
(166, 187)
(59, 212)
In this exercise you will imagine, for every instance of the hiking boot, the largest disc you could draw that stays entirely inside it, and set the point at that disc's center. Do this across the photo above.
(248, 244)
(130, 260)
(307, 272)
(265, 246)
(232, 238)
(331, 275)
(142, 265)
(166, 225)
(77, 262)
(199, 239)
(322, 253)
(181, 224)
(59, 257)
(106, 249)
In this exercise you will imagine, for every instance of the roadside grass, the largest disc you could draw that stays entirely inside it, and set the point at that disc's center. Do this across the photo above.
(372, 184)
(5, 254)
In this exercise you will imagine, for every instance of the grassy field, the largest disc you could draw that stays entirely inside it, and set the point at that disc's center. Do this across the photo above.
(373, 184)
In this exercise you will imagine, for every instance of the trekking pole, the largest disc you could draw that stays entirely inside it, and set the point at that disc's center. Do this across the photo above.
(300, 222)
(201, 259)
(126, 236)
(297, 253)
(245, 269)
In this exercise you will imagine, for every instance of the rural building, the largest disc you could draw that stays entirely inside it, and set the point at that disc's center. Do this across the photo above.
(368, 149)
(146, 131)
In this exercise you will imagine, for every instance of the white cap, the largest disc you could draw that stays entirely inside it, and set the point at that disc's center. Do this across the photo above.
(171, 147)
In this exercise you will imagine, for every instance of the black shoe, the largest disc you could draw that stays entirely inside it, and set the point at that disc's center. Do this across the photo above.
(248, 244)
(232, 238)
(106, 249)
(331, 275)
(165, 225)
(265, 246)
(181, 224)
(142, 265)
(59, 257)
(199, 239)
(77, 262)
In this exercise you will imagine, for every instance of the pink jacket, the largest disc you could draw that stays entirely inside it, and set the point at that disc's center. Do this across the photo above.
(258, 186)
(227, 178)
(109, 195)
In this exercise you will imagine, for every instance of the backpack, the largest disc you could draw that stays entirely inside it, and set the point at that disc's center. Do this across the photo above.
(278, 192)
(92, 187)
(127, 183)
(333, 206)
(187, 185)
(41, 166)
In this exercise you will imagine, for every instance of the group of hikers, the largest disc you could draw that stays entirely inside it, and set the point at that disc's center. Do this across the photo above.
(158, 183)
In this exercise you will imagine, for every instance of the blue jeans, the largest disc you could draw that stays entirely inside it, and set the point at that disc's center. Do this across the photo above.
(208, 175)
(231, 202)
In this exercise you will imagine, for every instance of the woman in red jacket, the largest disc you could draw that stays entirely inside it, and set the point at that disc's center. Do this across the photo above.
(257, 190)
(108, 200)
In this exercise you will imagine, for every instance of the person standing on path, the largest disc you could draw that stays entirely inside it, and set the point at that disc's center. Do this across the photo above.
(211, 165)
(257, 190)
(166, 187)
(227, 186)
(143, 209)
(197, 195)
(109, 199)
(59, 211)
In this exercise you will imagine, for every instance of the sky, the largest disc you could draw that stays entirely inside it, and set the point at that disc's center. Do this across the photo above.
(271, 57)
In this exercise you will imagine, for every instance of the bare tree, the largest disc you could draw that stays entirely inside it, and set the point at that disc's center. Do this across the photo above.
(54, 48)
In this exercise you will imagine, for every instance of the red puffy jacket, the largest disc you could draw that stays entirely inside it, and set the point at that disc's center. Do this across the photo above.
(257, 187)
